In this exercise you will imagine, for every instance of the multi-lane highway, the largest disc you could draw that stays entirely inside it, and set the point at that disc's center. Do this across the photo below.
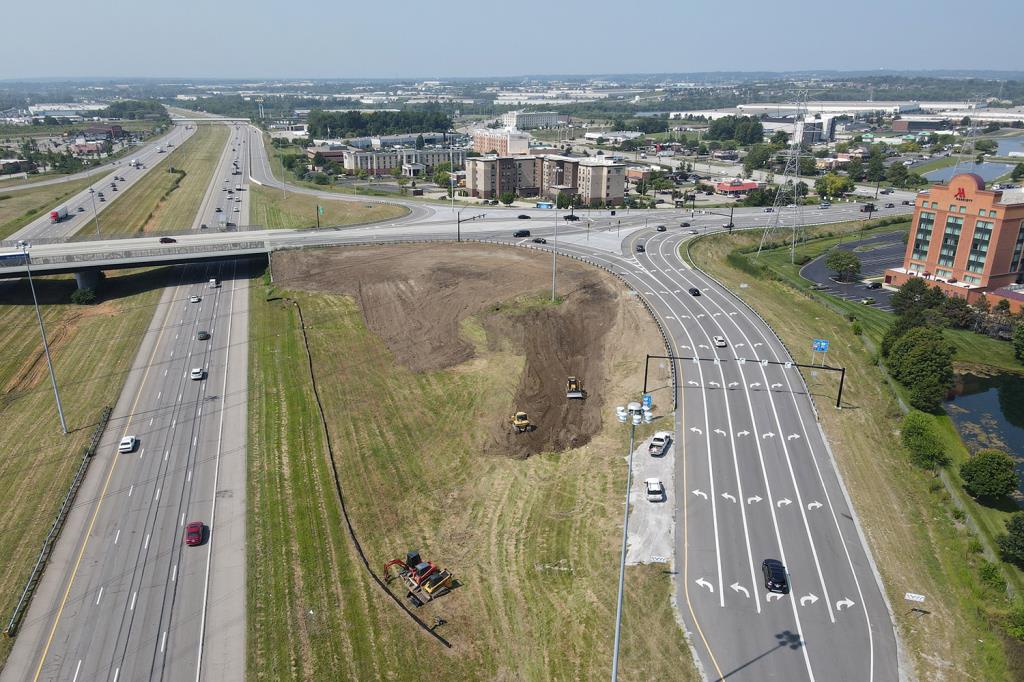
(754, 479)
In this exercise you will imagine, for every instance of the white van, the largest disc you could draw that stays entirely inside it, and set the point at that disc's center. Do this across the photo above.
(214, 283)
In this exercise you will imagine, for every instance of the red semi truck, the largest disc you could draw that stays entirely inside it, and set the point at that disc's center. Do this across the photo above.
(58, 215)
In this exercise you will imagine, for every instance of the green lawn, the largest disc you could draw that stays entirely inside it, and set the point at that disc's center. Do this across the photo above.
(918, 543)
(18, 209)
(93, 348)
(273, 208)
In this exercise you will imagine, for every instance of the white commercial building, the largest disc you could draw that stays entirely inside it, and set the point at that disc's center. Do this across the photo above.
(503, 142)
(525, 120)
(614, 137)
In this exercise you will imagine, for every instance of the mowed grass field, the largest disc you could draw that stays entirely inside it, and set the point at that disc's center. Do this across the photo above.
(18, 209)
(93, 348)
(534, 543)
(271, 208)
(917, 543)
(162, 200)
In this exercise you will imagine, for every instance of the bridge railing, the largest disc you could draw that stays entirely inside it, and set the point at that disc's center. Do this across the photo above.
(124, 254)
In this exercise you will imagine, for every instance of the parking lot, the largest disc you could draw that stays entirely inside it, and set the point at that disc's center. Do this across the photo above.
(650, 522)
(876, 254)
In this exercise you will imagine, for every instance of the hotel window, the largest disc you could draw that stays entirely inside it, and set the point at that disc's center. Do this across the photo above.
(923, 237)
(1018, 249)
(950, 240)
(916, 267)
(971, 279)
(935, 204)
(952, 208)
(963, 209)
(945, 274)
(979, 246)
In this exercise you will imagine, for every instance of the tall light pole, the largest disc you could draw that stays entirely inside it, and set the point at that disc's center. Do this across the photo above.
(632, 414)
(42, 332)
(95, 212)
(554, 251)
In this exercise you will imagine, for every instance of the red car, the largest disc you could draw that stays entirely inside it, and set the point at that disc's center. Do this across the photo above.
(194, 533)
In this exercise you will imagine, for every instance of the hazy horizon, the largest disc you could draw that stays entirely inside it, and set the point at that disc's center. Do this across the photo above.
(473, 40)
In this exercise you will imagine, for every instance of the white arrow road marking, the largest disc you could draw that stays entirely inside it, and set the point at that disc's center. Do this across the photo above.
(715, 314)
(814, 505)
(704, 345)
(684, 317)
(739, 345)
(720, 432)
(669, 317)
(739, 588)
(729, 497)
(844, 602)
(783, 501)
(770, 434)
(704, 583)
(701, 493)
(793, 436)
(809, 597)
(733, 384)
(741, 434)
(754, 498)
(734, 313)
(755, 384)
(758, 344)
(693, 383)
(684, 346)
(715, 384)
(696, 430)
(776, 386)
(772, 596)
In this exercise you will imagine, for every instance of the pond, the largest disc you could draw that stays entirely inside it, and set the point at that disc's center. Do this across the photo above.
(1011, 144)
(987, 170)
(988, 411)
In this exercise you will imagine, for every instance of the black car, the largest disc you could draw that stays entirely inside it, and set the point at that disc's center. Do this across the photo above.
(640, 248)
(660, 228)
(523, 216)
(540, 240)
(571, 217)
(694, 291)
(890, 205)
(168, 240)
(684, 224)
(521, 233)
(873, 285)
(203, 335)
(775, 579)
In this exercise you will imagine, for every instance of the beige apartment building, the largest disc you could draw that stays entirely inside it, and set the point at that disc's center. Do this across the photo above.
(594, 181)
(500, 142)
(382, 162)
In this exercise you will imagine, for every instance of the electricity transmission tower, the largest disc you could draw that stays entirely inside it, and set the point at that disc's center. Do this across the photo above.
(788, 191)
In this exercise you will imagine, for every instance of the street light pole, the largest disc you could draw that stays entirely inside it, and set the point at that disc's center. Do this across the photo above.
(554, 249)
(42, 332)
(635, 420)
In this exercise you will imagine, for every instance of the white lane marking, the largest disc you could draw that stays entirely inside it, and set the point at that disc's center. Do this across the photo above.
(99, 596)
(134, 595)
(189, 476)
(179, 397)
(167, 454)
(157, 498)
(183, 518)
(117, 535)
(165, 374)
(195, 439)
(150, 421)
(160, 393)
(145, 545)
(117, 673)
(163, 641)
(174, 572)
(77, 668)
(130, 489)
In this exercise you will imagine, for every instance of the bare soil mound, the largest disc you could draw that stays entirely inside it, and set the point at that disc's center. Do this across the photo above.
(414, 297)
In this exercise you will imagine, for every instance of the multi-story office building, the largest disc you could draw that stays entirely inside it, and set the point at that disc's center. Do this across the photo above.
(525, 120)
(966, 240)
(500, 142)
(384, 161)
(594, 181)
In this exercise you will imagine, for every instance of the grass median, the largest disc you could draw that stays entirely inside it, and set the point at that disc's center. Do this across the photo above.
(533, 542)
(162, 200)
(918, 541)
(92, 348)
(273, 208)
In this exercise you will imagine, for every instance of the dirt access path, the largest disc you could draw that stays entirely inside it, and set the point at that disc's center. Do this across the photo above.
(417, 297)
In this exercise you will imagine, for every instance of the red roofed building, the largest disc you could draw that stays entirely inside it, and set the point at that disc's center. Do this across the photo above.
(736, 186)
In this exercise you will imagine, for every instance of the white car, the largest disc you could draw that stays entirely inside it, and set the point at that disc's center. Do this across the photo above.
(655, 490)
(127, 444)
(197, 374)
(659, 444)
(719, 341)
(194, 299)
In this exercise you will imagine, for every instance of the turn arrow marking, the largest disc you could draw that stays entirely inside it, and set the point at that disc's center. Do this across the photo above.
(767, 435)
(704, 583)
(741, 434)
(692, 383)
(758, 344)
(696, 430)
(844, 602)
(814, 505)
(733, 384)
(754, 498)
(700, 493)
(809, 597)
(739, 588)
(739, 345)
(715, 384)
(772, 596)
(783, 501)
(755, 384)
(776, 386)
(793, 436)
(720, 432)
(728, 496)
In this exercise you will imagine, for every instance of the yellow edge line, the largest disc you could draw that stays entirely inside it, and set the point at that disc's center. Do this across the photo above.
(99, 503)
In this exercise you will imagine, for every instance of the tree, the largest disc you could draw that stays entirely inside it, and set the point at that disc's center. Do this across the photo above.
(876, 166)
(855, 169)
(780, 138)
(1018, 172)
(1002, 307)
(807, 166)
(922, 360)
(562, 200)
(758, 157)
(507, 198)
(832, 185)
(419, 141)
(915, 295)
(917, 434)
(1018, 341)
(958, 313)
(319, 160)
(845, 264)
(1011, 543)
(989, 474)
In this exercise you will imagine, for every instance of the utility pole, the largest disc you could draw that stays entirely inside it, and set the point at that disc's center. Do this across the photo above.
(42, 332)
(459, 221)
(554, 249)
(95, 213)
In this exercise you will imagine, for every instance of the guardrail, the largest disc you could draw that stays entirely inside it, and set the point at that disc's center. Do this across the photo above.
(58, 525)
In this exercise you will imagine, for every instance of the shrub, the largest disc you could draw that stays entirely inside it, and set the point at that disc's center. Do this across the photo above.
(83, 296)
(974, 546)
(1011, 543)
(992, 576)
(917, 433)
(1015, 620)
(856, 328)
(958, 513)
(991, 474)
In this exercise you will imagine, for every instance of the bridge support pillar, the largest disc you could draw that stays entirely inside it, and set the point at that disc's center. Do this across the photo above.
(87, 279)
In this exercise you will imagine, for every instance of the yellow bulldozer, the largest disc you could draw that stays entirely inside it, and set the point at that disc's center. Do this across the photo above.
(521, 422)
(574, 389)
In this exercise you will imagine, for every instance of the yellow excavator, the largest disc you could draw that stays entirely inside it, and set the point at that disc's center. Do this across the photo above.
(521, 423)
(574, 389)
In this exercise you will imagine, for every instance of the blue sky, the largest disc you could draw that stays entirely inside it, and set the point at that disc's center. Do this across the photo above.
(402, 38)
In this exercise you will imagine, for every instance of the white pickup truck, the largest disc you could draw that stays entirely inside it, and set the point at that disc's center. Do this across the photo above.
(660, 442)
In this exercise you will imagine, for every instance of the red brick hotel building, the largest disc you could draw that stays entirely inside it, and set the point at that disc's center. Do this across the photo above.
(967, 241)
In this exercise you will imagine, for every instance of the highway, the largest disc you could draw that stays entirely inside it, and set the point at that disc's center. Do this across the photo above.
(81, 206)
(754, 477)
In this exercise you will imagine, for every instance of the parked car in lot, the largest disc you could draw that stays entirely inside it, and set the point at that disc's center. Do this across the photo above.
(540, 240)
(168, 240)
(655, 490)
(127, 444)
(659, 444)
(521, 233)
(194, 533)
(873, 285)
(867, 301)
(694, 291)
(775, 578)
(719, 341)
(523, 216)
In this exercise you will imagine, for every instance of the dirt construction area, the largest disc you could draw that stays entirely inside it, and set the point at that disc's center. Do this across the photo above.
(417, 298)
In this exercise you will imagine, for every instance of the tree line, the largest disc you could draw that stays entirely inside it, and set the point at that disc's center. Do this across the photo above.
(336, 124)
